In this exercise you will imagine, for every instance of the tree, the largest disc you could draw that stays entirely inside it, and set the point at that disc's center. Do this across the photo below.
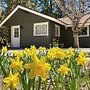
(75, 10)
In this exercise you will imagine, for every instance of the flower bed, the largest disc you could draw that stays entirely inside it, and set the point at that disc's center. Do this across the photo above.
(54, 68)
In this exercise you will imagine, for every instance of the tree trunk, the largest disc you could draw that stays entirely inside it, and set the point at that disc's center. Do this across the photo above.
(76, 40)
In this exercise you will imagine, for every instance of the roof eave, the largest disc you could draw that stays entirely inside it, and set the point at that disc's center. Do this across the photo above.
(34, 12)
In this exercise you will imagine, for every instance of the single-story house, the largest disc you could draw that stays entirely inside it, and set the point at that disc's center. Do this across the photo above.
(84, 35)
(28, 27)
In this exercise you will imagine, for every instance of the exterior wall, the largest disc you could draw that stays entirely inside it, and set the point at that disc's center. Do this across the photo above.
(84, 42)
(67, 37)
(52, 33)
(26, 21)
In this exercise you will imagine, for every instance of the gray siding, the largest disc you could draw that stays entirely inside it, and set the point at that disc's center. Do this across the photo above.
(26, 21)
(52, 33)
(85, 41)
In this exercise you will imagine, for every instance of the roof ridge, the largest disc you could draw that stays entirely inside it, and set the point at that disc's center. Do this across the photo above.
(34, 12)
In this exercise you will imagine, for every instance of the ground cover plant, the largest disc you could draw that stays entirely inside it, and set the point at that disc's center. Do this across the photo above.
(42, 69)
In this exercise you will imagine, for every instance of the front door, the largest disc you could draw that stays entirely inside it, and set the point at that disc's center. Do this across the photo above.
(15, 36)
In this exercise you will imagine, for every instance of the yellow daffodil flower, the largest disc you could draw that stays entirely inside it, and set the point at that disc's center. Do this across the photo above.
(41, 48)
(56, 53)
(81, 61)
(4, 49)
(11, 81)
(64, 69)
(16, 64)
(18, 53)
(51, 53)
(82, 54)
(30, 51)
(60, 54)
(38, 67)
(70, 53)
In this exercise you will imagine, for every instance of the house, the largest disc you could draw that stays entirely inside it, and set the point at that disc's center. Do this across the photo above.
(28, 27)
(84, 35)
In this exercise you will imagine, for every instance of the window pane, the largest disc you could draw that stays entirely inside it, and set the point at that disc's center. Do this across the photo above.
(38, 29)
(83, 32)
(57, 30)
(44, 29)
(41, 29)
(16, 32)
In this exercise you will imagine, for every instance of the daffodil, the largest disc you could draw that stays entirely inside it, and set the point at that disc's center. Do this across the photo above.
(82, 54)
(64, 69)
(41, 48)
(33, 49)
(27, 52)
(60, 54)
(4, 49)
(70, 53)
(81, 61)
(11, 81)
(16, 64)
(38, 67)
(30, 51)
(56, 53)
(52, 53)
(18, 53)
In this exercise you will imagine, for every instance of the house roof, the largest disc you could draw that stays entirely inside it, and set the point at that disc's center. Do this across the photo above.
(31, 11)
(67, 21)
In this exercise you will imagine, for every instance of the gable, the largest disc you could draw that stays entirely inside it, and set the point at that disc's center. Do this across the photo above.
(24, 18)
(30, 11)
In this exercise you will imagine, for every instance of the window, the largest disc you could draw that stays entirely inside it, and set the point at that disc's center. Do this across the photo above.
(57, 30)
(84, 32)
(16, 32)
(41, 29)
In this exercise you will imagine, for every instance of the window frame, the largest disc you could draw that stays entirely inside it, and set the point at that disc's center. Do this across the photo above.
(42, 23)
(87, 32)
(57, 35)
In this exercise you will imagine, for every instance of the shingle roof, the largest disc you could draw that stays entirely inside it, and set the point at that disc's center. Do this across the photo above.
(67, 21)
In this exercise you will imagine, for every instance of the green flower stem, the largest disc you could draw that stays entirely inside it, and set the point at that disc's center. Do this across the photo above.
(51, 82)
(24, 85)
(4, 71)
(45, 85)
(87, 79)
(39, 83)
(33, 84)
(63, 82)
(30, 84)
(56, 83)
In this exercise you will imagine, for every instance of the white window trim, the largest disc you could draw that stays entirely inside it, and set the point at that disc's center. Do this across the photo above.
(59, 30)
(34, 31)
(87, 32)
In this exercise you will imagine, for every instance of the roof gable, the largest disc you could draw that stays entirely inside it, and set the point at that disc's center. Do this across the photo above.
(82, 20)
(33, 12)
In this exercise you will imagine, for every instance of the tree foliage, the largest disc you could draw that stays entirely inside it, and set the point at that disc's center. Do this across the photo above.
(47, 7)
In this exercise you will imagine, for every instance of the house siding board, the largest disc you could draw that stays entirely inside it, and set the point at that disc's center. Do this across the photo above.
(60, 39)
(51, 31)
(67, 37)
(26, 21)
(62, 36)
(84, 42)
